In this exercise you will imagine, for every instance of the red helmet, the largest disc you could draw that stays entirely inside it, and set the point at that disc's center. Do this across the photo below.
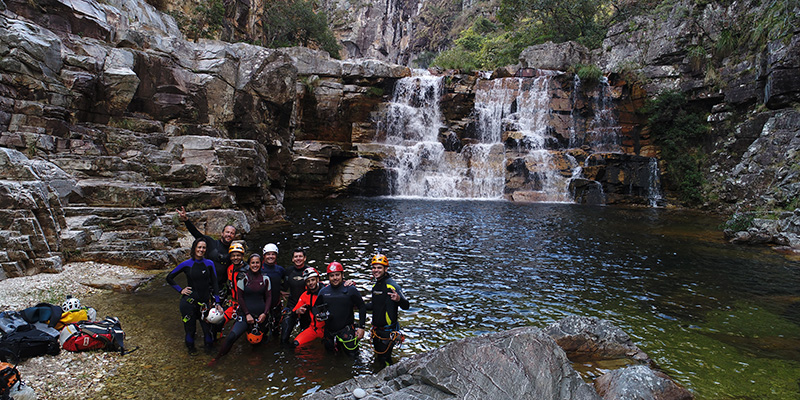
(335, 267)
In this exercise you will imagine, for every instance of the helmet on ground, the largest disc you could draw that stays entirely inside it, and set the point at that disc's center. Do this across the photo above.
(71, 304)
(9, 375)
(270, 247)
(380, 259)
(335, 267)
(310, 273)
(215, 316)
(255, 336)
(236, 247)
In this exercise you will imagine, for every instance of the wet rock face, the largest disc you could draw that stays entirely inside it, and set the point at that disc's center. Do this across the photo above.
(109, 120)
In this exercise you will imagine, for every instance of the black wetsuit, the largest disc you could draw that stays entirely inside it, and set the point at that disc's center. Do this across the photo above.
(254, 296)
(384, 316)
(278, 279)
(216, 251)
(201, 277)
(296, 285)
(339, 330)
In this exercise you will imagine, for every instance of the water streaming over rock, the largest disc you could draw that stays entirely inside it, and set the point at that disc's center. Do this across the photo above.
(654, 195)
(516, 111)
(512, 147)
(420, 165)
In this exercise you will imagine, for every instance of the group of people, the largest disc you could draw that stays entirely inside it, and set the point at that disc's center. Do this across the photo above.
(263, 298)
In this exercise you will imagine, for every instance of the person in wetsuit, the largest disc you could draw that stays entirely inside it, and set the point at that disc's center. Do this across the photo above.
(305, 305)
(278, 279)
(341, 334)
(217, 250)
(296, 286)
(201, 285)
(387, 296)
(254, 296)
(236, 254)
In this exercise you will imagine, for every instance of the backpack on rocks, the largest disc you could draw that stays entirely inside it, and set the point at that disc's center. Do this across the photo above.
(9, 375)
(29, 341)
(93, 335)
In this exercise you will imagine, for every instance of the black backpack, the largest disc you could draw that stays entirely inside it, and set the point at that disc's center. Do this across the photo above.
(27, 341)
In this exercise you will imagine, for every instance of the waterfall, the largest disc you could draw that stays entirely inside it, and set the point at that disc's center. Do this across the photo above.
(519, 108)
(654, 195)
(421, 167)
(603, 134)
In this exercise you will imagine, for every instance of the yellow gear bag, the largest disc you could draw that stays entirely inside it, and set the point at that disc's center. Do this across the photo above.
(71, 317)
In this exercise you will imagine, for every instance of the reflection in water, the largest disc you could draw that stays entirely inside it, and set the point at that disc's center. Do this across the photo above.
(714, 316)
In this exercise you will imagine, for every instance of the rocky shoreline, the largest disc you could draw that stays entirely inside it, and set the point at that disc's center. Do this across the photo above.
(69, 375)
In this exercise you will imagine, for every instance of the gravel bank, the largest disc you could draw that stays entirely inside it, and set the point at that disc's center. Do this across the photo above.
(67, 375)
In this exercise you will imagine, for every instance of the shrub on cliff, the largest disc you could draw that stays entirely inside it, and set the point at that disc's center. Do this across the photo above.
(679, 131)
(294, 22)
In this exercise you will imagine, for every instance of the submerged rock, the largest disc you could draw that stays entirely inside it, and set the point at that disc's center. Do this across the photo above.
(589, 338)
(639, 382)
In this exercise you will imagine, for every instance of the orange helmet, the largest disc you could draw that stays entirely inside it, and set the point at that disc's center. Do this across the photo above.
(335, 267)
(380, 259)
(255, 336)
(236, 247)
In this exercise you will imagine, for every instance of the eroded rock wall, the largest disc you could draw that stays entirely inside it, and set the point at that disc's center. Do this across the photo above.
(109, 119)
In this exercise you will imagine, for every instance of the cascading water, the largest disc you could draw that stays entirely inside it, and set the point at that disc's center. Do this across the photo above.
(654, 195)
(603, 134)
(521, 107)
(418, 160)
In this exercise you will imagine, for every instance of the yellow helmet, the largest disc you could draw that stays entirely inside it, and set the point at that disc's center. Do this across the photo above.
(380, 259)
(236, 247)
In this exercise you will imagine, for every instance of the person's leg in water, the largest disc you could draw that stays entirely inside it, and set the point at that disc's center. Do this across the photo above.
(189, 314)
(287, 325)
(239, 328)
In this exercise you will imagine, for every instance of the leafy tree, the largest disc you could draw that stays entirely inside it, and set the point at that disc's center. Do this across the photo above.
(294, 22)
(585, 21)
(205, 21)
(679, 131)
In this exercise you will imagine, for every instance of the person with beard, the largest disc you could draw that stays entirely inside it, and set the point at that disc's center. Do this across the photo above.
(341, 334)
(387, 297)
(217, 250)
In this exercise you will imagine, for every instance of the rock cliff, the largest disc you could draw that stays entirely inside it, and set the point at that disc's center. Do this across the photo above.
(109, 119)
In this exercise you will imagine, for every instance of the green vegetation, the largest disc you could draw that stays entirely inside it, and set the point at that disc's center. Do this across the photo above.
(491, 43)
(205, 20)
(679, 131)
(739, 222)
(294, 22)
(589, 73)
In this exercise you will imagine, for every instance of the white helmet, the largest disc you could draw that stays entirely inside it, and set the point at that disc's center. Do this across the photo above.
(71, 304)
(270, 247)
(215, 316)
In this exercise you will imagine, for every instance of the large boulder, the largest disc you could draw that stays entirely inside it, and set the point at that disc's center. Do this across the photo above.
(588, 338)
(521, 363)
(639, 382)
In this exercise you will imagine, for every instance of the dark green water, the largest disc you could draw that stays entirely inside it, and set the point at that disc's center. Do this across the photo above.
(723, 320)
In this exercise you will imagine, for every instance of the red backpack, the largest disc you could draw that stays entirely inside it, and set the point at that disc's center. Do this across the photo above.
(92, 335)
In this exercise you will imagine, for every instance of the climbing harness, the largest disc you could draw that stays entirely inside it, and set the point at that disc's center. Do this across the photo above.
(395, 337)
